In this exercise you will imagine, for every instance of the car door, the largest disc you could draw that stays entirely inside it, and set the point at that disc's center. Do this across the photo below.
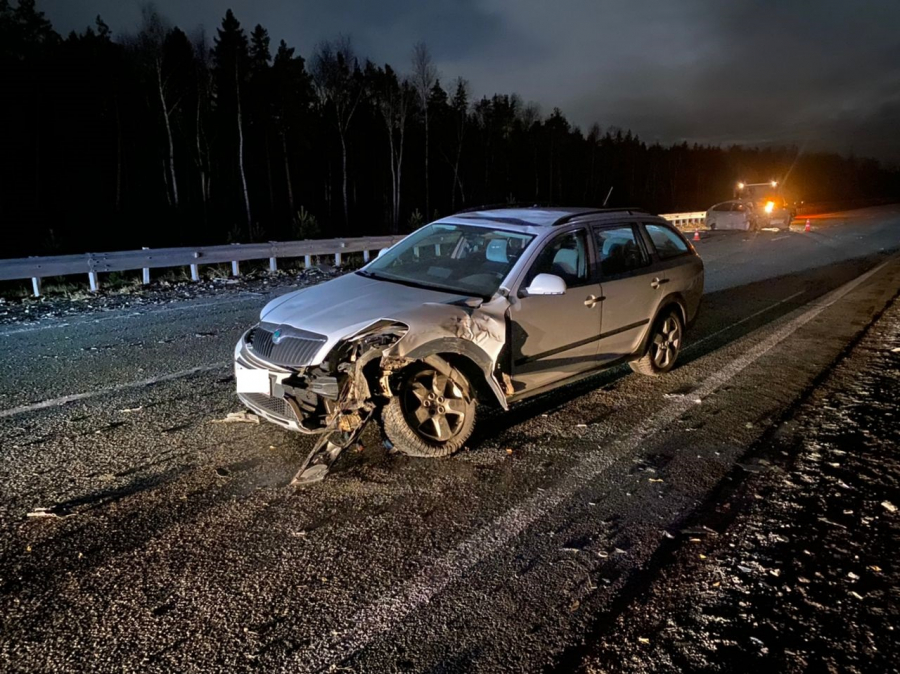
(553, 337)
(632, 289)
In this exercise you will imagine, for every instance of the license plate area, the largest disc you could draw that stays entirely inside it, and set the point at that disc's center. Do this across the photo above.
(252, 381)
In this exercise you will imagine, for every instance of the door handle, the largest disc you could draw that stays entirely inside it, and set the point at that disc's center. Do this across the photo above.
(592, 300)
(657, 282)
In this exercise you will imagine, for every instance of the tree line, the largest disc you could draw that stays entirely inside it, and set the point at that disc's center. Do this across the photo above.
(166, 137)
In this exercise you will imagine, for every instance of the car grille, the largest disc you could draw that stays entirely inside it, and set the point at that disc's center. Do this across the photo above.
(277, 407)
(295, 349)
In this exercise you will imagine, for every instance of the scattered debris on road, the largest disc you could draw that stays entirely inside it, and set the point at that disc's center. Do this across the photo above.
(242, 417)
(51, 512)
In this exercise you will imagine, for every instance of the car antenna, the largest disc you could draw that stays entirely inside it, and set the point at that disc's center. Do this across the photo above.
(608, 195)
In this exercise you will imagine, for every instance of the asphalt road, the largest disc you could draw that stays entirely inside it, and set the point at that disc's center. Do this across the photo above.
(180, 546)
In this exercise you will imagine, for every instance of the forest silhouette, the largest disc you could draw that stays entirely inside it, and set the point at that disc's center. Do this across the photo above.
(168, 136)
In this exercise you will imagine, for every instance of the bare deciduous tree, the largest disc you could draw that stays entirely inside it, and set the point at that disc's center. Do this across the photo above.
(392, 97)
(231, 63)
(203, 98)
(334, 71)
(460, 107)
(150, 42)
(424, 77)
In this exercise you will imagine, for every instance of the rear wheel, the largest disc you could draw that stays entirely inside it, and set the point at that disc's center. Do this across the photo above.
(433, 413)
(663, 346)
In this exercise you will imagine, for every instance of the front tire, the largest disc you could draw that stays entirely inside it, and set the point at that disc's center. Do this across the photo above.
(663, 346)
(433, 413)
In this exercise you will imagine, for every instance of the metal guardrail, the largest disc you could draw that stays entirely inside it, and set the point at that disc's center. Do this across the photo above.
(94, 264)
(685, 219)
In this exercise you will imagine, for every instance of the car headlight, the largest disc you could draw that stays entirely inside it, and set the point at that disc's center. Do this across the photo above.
(770, 206)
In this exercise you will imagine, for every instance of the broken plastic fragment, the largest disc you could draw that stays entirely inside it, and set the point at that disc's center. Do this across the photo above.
(238, 418)
(49, 512)
(315, 473)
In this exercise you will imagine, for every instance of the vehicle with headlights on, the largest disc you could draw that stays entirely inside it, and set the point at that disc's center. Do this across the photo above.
(487, 307)
(767, 199)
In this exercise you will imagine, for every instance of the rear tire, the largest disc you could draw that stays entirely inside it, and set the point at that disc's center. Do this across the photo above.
(433, 413)
(663, 346)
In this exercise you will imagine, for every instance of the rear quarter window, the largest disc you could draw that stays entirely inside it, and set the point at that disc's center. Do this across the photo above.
(666, 242)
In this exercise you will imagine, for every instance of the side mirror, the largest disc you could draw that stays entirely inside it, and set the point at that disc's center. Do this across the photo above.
(383, 251)
(546, 284)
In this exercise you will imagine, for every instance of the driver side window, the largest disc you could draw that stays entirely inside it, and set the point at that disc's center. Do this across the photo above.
(566, 257)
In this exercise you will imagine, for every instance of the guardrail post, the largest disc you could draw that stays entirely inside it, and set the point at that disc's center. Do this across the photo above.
(146, 271)
(195, 272)
(273, 264)
(365, 256)
(337, 259)
(235, 264)
(94, 281)
(36, 286)
(307, 261)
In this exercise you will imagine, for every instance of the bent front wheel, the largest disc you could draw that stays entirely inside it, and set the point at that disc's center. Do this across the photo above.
(433, 413)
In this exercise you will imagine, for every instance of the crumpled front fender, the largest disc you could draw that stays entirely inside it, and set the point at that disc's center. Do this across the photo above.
(476, 331)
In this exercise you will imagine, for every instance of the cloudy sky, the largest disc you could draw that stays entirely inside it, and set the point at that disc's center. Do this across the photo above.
(818, 73)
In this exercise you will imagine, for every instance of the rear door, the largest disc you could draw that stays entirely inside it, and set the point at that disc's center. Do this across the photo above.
(555, 336)
(631, 288)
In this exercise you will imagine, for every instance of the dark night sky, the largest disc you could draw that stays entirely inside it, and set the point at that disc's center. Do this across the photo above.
(819, 73)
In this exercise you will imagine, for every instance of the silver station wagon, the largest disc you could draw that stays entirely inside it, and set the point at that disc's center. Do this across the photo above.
(483, 307)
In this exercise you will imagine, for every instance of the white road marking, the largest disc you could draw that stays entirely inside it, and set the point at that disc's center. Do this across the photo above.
(779, 238)
(743, 320)
(56, 402)
(386, 613)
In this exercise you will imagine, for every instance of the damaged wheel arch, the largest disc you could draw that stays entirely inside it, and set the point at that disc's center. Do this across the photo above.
(471, 360)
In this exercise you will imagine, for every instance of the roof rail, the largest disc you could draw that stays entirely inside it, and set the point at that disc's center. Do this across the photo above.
(498, 206)
(572, 216)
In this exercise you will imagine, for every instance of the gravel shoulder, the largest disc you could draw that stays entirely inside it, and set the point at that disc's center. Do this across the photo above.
(794, 566)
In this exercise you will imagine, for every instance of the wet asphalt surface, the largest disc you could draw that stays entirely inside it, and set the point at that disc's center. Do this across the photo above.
(178, 545)
(793, 567)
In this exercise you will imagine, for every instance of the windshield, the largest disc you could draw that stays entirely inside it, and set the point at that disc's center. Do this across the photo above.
(465, 259)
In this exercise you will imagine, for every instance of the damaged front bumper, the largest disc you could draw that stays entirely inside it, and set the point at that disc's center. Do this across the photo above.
(332, 399)
(295, 398)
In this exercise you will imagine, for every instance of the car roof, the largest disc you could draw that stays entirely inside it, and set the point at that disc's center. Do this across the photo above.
(535, 218)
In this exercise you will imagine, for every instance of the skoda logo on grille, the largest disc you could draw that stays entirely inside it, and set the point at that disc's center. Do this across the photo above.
(277, 336)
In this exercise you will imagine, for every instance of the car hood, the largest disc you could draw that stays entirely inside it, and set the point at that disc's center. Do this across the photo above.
(342, 306)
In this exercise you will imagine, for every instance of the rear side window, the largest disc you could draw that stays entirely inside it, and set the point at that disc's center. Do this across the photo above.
(620, 251)
(667, 243)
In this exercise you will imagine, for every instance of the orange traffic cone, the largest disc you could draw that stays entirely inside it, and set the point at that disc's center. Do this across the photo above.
(807, 228)
(696, 235)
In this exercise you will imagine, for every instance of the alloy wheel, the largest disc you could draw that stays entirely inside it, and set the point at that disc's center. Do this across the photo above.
(666, 342)
(434, 405)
